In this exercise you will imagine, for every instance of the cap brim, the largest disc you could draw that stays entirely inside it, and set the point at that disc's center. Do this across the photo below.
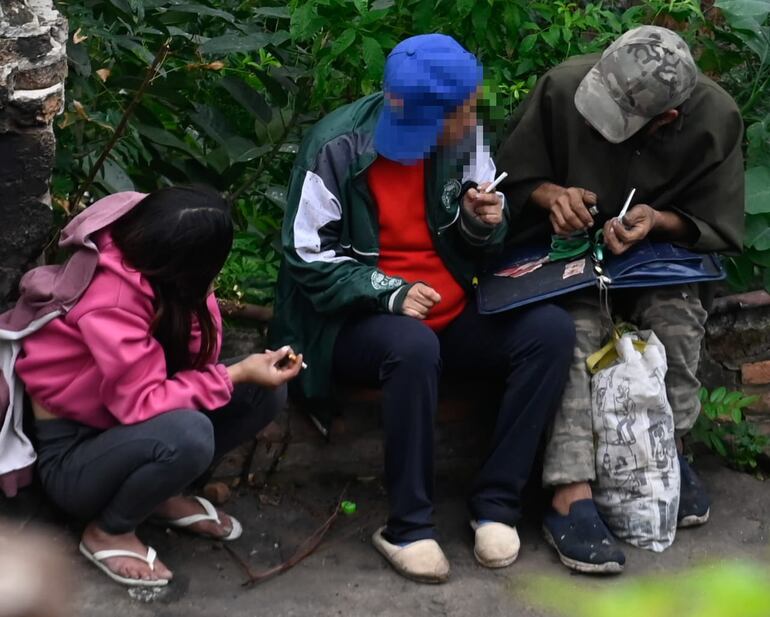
(595, 104)
(405, 142)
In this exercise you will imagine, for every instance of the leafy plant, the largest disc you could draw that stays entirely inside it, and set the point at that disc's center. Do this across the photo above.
(243, 81)
(723, 427)
(223, 109)
(719, 589)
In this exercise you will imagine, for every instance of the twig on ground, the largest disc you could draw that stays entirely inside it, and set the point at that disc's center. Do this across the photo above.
(303, 551)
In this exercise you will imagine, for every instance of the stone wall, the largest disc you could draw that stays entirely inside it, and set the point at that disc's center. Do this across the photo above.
(33, 65)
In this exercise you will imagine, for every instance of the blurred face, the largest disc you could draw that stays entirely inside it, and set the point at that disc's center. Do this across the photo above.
(460, 122)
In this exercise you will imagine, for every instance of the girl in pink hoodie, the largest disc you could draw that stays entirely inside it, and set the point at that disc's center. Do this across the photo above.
(131, 402)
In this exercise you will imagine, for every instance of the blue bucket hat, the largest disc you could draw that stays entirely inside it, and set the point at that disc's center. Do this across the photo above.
(427, 77)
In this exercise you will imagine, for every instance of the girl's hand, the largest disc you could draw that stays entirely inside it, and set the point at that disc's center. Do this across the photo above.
(270, 369)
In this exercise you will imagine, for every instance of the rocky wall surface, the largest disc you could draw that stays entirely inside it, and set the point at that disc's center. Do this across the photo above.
(33, 66)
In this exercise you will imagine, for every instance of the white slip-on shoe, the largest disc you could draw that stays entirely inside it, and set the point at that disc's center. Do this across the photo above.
(422, 561)
(497, 544)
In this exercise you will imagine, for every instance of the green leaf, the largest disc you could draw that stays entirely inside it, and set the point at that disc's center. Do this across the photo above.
(758, 9)
(758, 138)
(374, 58)
(144, 54)
(736, 415)
(757, 232)
(551, 36)
(718, 445)
(212, 122)
(528, 43)
(703, 394)
(278, 12)
(235, 43)
(114, 178)
(79, 59)
(303, 21)
(732, 397)
(382, 5)
(165, 138)
(201, 9)
(748, 401)
(277, 87)
(718, 394)
(761, 258)
(250, 99)
(342, 42)
(464, 7)
(362, 6)
(242, 150)
(758, 190)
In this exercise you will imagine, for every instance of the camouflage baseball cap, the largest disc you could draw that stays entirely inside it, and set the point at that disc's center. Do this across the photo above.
(646, 71)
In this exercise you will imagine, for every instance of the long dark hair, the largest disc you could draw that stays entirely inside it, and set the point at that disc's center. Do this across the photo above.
(179, 238)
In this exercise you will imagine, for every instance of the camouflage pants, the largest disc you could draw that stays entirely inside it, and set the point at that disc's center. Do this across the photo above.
(677, 317)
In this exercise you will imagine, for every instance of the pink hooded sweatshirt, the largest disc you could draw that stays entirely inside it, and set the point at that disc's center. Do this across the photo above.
(100, 365)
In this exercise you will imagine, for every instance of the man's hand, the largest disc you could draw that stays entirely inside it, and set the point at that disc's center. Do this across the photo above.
(484, 207)
(637, 224)
(568, 207)
(270, 369)
(420, 299)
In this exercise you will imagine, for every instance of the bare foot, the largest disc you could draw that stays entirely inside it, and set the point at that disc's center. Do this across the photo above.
(179, 507)
(96, 539)
(567, 494)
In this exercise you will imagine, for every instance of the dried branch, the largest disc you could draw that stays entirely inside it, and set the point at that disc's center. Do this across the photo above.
(303, 551)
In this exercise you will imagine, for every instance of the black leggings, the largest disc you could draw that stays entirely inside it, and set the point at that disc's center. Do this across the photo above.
(119, 476)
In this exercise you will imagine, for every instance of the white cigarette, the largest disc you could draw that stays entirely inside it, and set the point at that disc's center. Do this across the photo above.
(304, 365)
(497, 181)
(625, 205)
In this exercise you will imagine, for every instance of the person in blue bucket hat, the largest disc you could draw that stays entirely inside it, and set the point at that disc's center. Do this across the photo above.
(388, 220)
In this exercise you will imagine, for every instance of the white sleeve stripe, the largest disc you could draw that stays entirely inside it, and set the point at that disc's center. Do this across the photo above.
(392, 299)
(317, 208)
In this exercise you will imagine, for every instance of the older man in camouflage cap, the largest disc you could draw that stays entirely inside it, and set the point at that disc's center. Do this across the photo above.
(640, 115)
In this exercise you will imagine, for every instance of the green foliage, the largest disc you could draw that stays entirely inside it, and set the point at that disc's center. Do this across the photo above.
(225, 109)
(724, 589)
(723, 427)
(244, 80)
(740, 53)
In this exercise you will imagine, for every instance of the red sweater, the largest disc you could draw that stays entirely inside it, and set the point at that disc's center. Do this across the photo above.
(406, 245)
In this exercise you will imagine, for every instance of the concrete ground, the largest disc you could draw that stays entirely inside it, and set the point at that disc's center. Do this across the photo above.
(346, 577)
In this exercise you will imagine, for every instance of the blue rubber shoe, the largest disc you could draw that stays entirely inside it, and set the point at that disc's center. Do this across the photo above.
(582, 539)
(694, 503)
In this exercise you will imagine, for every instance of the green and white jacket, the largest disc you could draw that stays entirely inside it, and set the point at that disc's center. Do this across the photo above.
(331, 238)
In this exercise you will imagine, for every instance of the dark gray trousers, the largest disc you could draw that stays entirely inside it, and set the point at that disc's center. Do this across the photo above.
(119, 476)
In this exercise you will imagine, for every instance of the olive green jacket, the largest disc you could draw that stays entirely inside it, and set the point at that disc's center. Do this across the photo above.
(693, 166)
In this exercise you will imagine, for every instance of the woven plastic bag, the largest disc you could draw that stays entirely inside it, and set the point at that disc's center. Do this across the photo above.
(637, 469)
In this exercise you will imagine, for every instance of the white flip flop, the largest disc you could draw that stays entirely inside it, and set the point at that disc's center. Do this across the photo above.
(211, 515)
(99, 556)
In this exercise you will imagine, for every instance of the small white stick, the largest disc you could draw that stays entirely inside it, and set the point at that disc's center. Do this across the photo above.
(497, 181)
(625, 205)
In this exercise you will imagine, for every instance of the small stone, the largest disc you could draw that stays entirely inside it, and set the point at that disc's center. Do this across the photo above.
(217, 492)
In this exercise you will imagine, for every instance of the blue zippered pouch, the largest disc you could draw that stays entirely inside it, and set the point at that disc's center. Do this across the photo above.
(525, 275)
